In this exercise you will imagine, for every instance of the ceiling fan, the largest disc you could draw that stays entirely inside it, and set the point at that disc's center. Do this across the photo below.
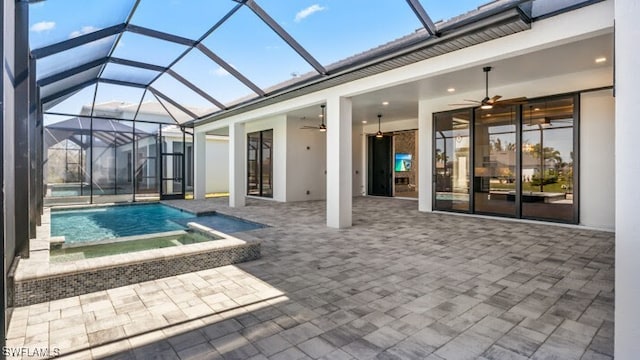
(489, 102)
(322, 127)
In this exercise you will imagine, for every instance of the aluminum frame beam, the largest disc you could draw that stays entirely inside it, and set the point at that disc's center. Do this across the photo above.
(71, 72)
(170, 101)
(160, 35)
(230, 69)
(284, 35)
(196, 89)
(76, 41)
(423, 16)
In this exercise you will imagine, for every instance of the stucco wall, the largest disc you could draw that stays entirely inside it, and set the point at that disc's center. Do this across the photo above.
(597, 159)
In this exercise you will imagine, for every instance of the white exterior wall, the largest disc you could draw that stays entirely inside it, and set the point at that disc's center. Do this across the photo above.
(217, 165)
(306, 161)
(597, 160)
(627, 128)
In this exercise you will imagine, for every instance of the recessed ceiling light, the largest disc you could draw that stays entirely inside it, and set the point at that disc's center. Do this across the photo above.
(601, 60)
(364, 121)
(385, 103)
(536, 109)
(451, 89)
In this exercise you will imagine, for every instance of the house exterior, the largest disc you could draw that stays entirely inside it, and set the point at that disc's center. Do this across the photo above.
(522, 110)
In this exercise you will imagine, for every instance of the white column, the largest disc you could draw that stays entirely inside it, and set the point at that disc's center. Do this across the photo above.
(339, 158)
(200, 165)
(425, 158)
(627, 167)
(237, 161)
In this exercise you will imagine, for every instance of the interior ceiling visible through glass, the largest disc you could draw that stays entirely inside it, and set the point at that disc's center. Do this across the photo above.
(257, 45)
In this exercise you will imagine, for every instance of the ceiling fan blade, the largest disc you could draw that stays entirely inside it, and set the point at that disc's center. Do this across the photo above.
(310, 127)
(518, 100)
(460, 104)
(493, 99)
(473, 101)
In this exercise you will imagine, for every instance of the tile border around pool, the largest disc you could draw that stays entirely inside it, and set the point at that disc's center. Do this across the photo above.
(36, 280)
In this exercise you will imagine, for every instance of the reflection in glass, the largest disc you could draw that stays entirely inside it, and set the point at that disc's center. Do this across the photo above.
(547, 160)
(495, 160)
(452, 160)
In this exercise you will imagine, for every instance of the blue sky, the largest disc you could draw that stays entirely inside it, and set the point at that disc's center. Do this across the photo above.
(330, 30)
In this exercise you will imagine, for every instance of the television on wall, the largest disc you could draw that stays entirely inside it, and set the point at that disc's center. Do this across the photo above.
(403, 162)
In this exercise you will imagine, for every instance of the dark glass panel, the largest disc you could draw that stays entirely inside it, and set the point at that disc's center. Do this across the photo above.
(548, 160)
(451, 160)
(495, 161)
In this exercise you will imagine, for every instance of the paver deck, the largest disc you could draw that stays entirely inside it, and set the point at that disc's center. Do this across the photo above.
(399, 284)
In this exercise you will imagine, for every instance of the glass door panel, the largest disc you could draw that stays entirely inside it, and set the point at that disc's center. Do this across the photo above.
(267, 164)
(495, 161)
(172, 179)
(548, 160)
(452, 160)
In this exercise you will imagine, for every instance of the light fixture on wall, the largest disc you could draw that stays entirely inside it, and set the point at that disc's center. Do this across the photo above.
(379, 133)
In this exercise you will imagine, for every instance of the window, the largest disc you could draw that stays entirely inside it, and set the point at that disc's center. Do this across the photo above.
(521, 159)
(259, 163)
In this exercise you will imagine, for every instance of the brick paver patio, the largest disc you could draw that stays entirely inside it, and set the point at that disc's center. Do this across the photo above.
(399, 284)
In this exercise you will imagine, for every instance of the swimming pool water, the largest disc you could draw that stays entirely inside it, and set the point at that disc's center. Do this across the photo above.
(111, 222)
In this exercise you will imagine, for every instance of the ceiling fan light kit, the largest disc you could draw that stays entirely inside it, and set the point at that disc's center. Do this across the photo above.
(322, 127)
(379, 134)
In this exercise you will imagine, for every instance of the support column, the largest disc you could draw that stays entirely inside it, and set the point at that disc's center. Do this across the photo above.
(21, 130)
(200, 165)
(237, 162)
(425, 157)
(339, 162)
(627, 173)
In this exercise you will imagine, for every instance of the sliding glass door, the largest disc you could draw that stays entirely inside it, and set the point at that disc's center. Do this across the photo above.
(548, 160)
(494, 174)
(452, 161)
(521, 159)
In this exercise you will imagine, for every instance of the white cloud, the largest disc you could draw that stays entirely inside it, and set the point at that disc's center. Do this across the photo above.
(82, 31)
(43, 26)
(303, 14)
(219, 72)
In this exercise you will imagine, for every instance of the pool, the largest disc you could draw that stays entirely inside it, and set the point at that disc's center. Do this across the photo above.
(80, 251)
(111, 222)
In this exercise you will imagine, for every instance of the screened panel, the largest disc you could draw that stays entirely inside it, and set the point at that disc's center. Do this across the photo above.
(146, 49)
(73, 105)
(129, 73)
(126, 105)
(178, 115)
(69, 82)
(112, 166)
(74, 57)
(147, 157)
(201, 71)
(180, 93)
(277, 61)
(152, 110)
(51, 21)
(199, 14)
(335, 30)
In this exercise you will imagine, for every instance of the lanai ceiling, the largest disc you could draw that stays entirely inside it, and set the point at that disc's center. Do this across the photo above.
(142, 51)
